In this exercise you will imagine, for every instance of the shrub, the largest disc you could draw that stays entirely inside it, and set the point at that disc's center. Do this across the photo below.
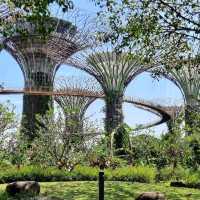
(34, 173)
(37, 173)
(110, 162)
(193, 179)
(115, 162)
(86, 173)
(170, 174)
(134, 174)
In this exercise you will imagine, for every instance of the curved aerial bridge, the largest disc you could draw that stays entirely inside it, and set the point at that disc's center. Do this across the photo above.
(165, 113)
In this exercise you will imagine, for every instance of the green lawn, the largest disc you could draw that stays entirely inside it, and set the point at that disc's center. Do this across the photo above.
(113, 190)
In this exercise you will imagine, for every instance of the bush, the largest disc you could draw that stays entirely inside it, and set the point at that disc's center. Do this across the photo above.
(193, 179)
(86, 173)
(110, 162)
(189, 177)
(170, 174)
(133, 174)
(37, 173)
(33, 173)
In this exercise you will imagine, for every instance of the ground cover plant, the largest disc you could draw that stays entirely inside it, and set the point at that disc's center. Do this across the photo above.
(113, 190)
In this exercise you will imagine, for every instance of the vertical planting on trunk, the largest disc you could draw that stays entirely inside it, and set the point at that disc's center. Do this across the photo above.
(114, 113)
(185, 74)
(74, 107)
(114, 71)
(39, 57)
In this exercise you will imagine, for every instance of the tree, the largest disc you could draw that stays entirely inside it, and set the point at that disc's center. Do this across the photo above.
(160, 28)
(8, 125)
(147, 149)
(55, 146)
(143, 18)
(7, 118)
(121, 140)
(33, 11)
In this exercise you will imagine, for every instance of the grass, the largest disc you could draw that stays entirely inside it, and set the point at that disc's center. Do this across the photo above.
(113, 190)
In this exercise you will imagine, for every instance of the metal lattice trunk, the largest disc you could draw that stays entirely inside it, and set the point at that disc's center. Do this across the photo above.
(114, 112)
(74, 107)
(114, 71)
(192, 119)
(39, 57)
(34, 105)
(186, 75)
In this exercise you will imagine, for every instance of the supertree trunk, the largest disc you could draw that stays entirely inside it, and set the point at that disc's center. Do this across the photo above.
(114, 113)
(74, 124)
(191, 119)
(170, 125)
(114, 117)
(34, 105)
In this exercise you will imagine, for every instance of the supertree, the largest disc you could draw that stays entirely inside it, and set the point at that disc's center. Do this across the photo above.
(114, 71)
(185, 73)
(39, 57)
(74, 107)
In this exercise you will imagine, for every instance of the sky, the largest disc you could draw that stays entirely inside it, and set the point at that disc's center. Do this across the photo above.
(143, 86)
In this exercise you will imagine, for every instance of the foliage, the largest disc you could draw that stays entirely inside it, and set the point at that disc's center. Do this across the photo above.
(42, 173)
(108, 162)
(175, 147)
(146, 149)
(145, 21)
(8, 125)
(54, 145)
(171, 174)
(34, 11)
(121, 141)
(17, 150)
(7, 118)
(134, 174)
(36, 173)
(193, 159)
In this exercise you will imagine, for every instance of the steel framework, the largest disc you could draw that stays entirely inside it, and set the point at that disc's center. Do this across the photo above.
(114, 71)
(74, 107)
(39, 58)
(185, 74)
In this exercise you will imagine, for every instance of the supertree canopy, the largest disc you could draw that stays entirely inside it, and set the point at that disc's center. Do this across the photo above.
(186, 75)
(74, 107)
(39, 57)
(114, 71)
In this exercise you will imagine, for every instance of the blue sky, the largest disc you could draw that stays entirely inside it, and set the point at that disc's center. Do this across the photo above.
(143, 86)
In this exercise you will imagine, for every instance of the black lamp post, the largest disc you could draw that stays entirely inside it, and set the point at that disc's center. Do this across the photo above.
(102, 163)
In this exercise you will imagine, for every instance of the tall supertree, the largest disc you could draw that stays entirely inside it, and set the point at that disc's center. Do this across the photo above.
(39, 57)
(74, 107)
(114, 71)
(185, 73)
